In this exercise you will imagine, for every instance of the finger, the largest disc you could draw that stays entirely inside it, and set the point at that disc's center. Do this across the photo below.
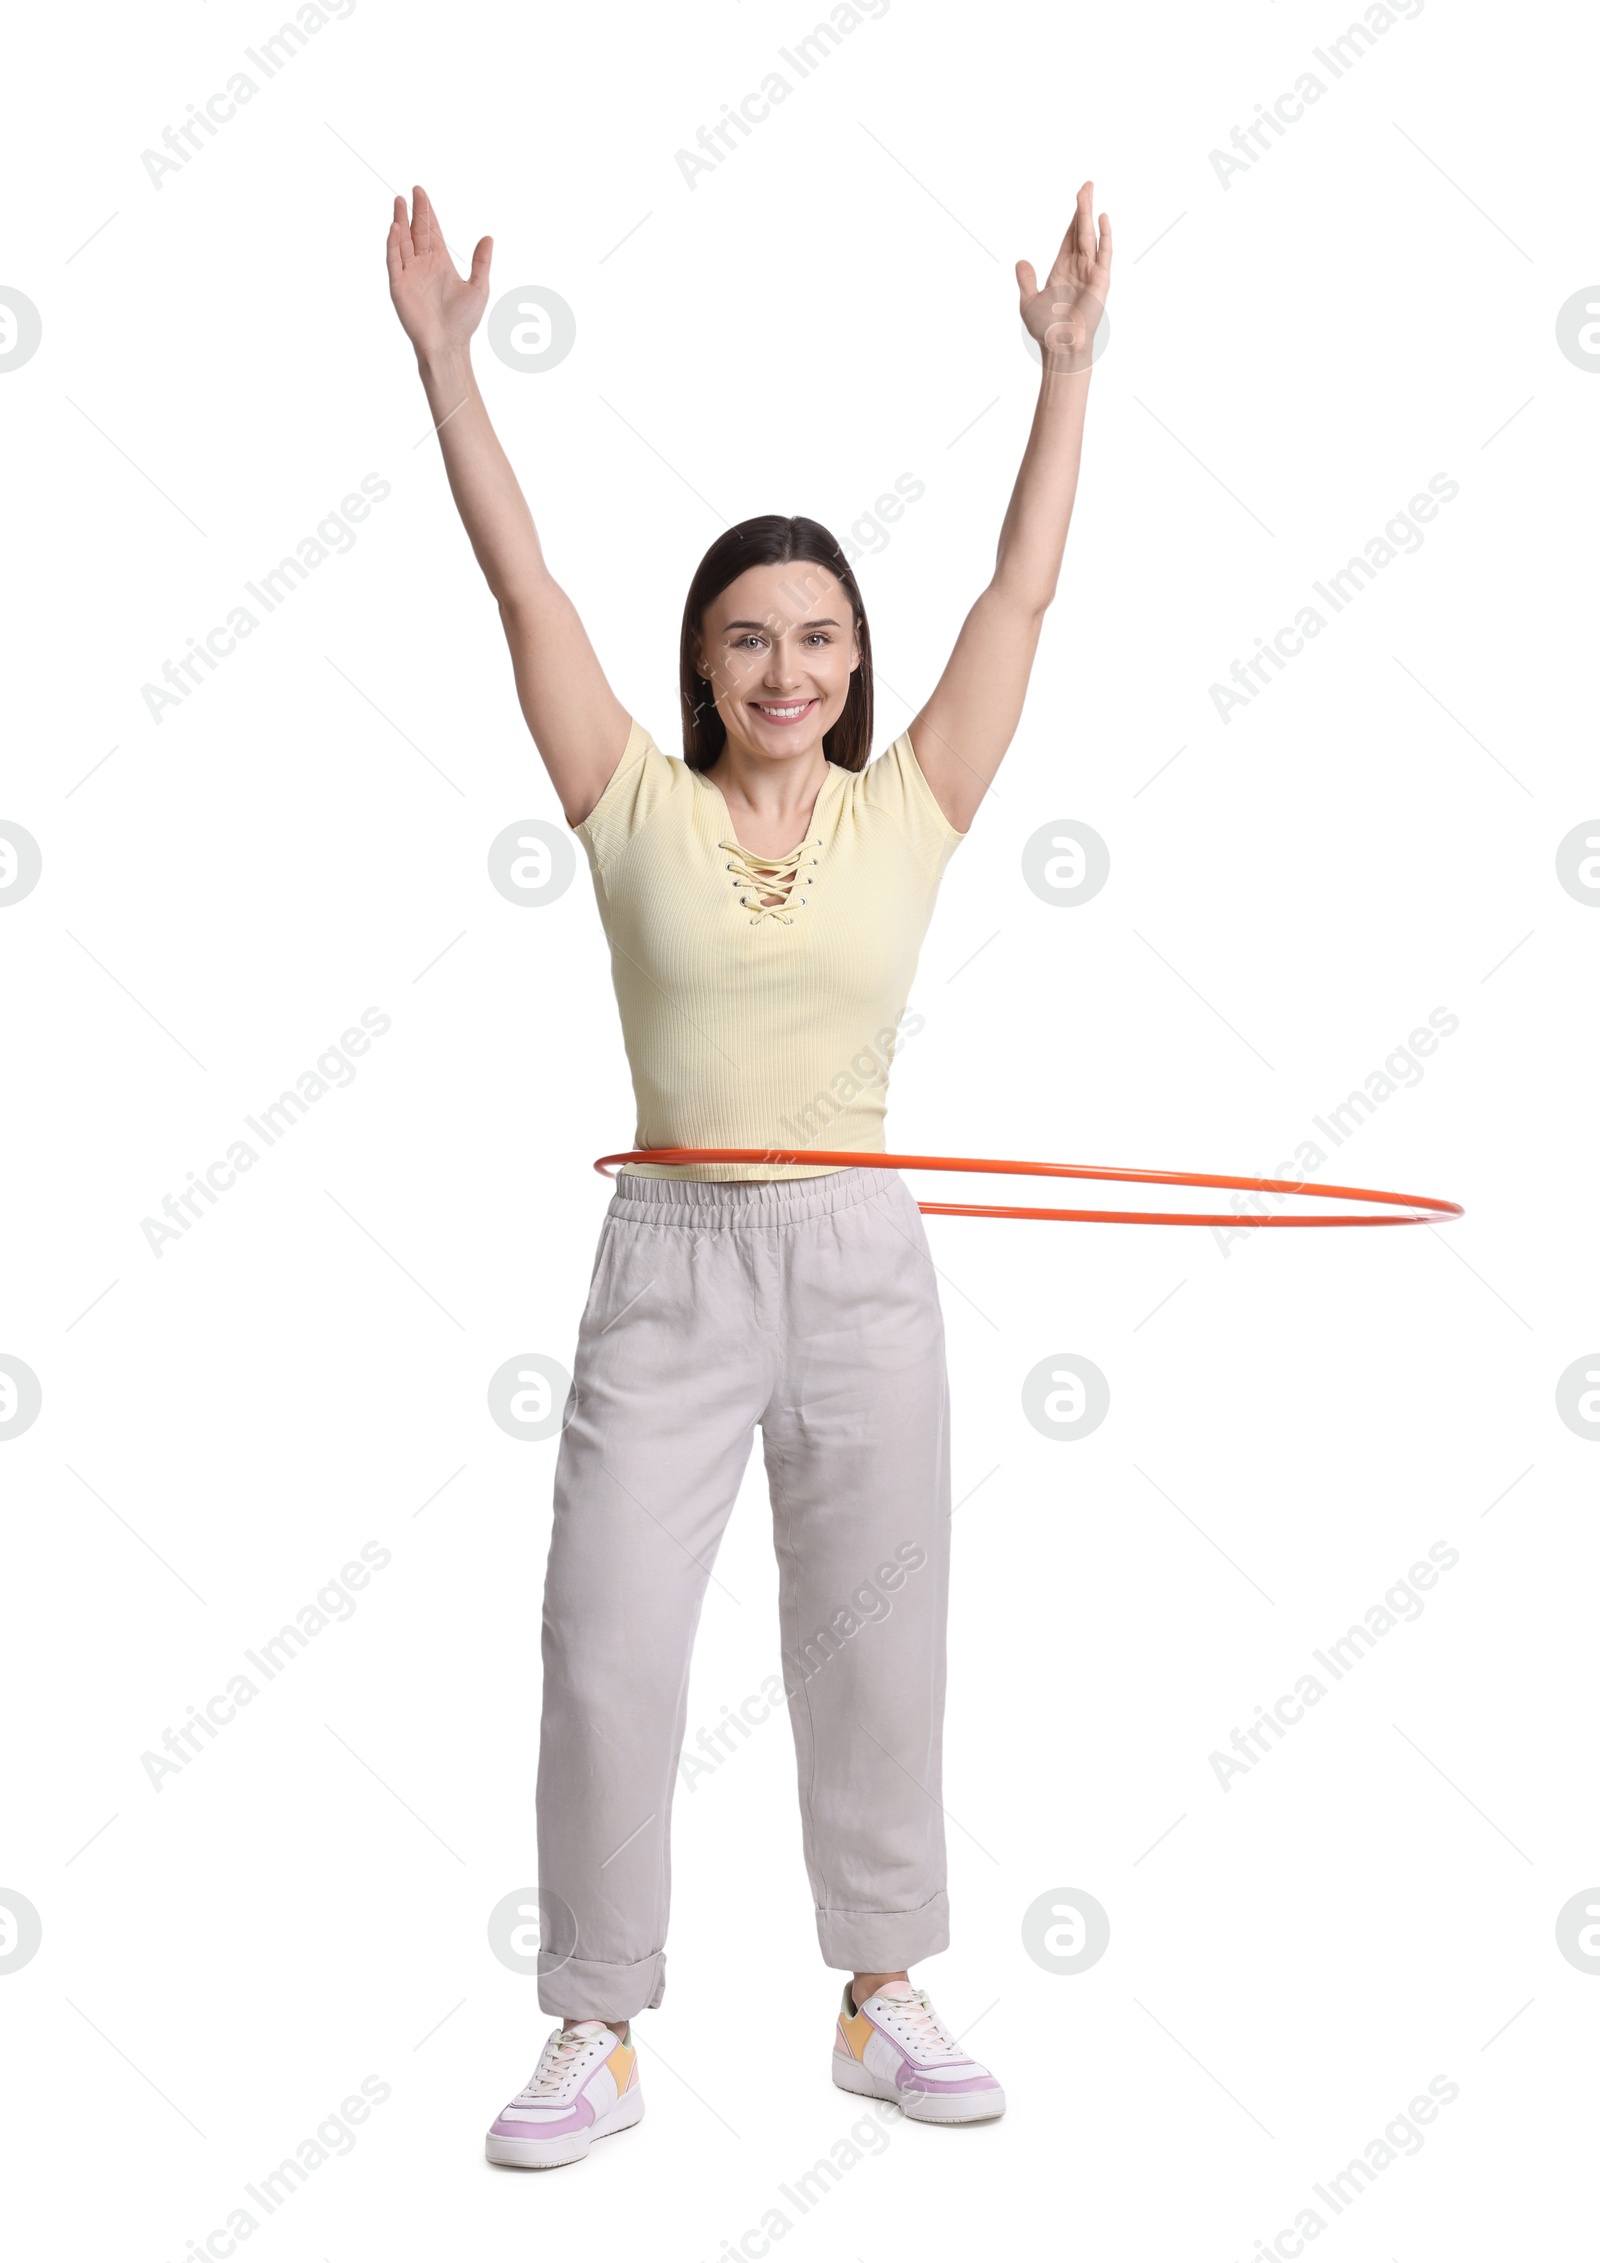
(400, 229)
(1027, 281)
(1083, 221)
(1071, 242)
(1105, 242)
(424, 226)
(393, 257)
(482, 253)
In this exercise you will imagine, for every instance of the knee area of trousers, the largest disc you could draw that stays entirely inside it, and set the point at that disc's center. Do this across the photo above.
(607, 1677)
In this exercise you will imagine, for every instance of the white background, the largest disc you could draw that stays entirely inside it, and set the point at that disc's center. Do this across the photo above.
(1294, 355)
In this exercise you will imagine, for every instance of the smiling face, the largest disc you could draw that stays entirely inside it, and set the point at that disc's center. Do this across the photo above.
(778, 647)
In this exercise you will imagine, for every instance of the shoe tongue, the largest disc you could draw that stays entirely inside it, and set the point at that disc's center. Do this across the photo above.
(587, 2027)
(899, 1991)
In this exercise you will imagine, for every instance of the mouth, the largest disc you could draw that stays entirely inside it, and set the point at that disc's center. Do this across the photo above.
(788, 711)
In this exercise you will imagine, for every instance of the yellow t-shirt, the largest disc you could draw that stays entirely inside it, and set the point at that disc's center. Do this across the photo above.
(752, 1026)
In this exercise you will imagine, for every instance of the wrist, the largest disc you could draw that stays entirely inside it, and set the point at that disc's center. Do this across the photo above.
(444, 364)
(1058, 363)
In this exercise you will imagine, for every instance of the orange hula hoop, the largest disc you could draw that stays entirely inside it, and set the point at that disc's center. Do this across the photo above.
(1399, 1210)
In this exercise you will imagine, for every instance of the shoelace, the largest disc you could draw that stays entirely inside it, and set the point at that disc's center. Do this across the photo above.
(927, 2032)
(556, 2061)
(766, 876)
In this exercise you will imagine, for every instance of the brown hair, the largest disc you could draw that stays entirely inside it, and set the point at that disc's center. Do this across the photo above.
(770, 541)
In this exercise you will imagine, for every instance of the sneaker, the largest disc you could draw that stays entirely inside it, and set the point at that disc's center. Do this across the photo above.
(586, 2085)
(895, 2046)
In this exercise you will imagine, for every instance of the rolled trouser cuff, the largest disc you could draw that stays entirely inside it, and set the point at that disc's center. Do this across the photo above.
(883, 1940)
(576, 1988)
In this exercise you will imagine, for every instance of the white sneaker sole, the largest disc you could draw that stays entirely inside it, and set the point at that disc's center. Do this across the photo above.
(556, 2152)
(918, 2105)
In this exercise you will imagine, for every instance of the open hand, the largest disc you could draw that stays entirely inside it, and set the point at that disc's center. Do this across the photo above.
(1063, 315)
(438, 310)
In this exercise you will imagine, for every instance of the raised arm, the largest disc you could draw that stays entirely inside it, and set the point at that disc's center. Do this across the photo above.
(970, 718)
(579, 725)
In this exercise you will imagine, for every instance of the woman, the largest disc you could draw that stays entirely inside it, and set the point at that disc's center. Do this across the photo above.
(764, 900)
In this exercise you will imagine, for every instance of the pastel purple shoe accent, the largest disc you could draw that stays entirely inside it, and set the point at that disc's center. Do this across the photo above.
(909, 2078)
(909, 2067)
(580, 2117)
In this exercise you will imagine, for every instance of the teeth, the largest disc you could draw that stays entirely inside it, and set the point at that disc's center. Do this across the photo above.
(798, 709)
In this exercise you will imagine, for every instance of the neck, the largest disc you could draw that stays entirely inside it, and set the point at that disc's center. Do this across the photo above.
(776, 790)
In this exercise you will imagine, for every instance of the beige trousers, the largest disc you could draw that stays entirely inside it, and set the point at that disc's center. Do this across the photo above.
(809, 1307)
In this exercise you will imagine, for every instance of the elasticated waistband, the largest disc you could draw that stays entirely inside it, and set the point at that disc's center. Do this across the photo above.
(746, 1202)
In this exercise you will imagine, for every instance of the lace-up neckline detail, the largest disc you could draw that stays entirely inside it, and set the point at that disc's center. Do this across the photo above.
(756, 876)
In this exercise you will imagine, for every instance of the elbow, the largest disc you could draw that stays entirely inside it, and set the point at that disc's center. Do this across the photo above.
(520, 601)
(1031, 600)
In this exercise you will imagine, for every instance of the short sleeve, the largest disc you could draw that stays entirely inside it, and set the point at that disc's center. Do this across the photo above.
(895, 785)
(633, 793)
